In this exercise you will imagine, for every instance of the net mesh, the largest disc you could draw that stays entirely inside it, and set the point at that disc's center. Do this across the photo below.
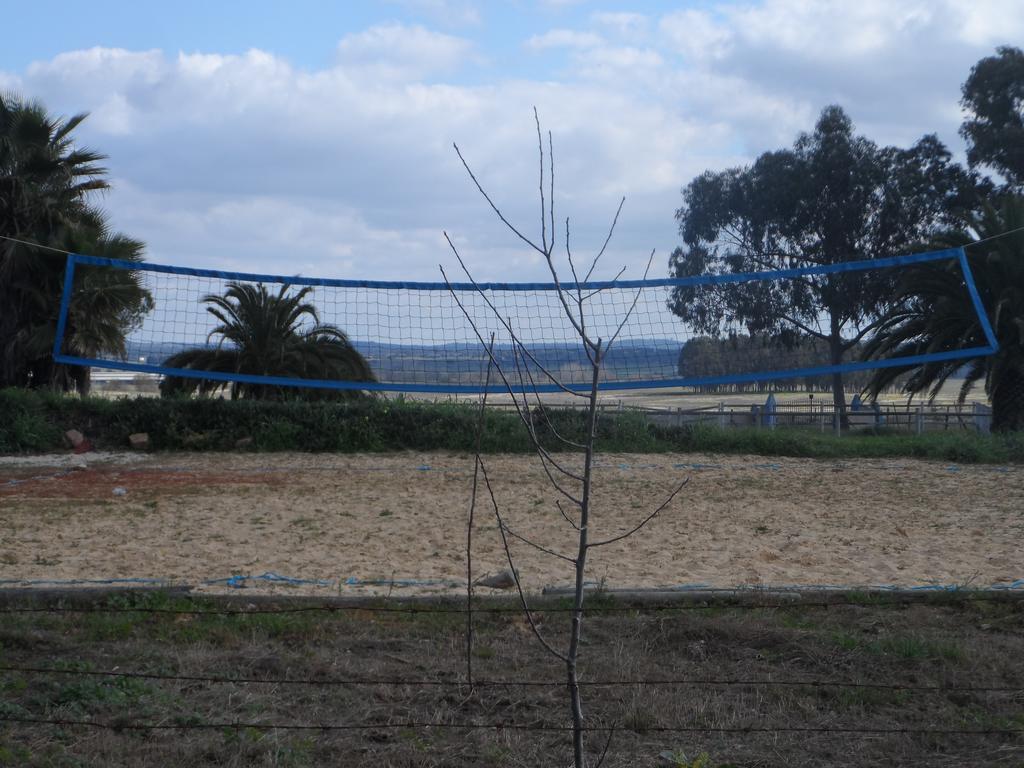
(427, 336)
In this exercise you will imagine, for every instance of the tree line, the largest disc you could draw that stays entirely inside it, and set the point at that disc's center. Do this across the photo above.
(836, 196)
(712, 356)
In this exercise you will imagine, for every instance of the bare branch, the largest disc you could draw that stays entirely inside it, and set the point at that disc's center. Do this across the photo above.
(508, 387)
(469, 527)
(502, 320)
(632, 307)
(579, 289)
(537, 546)
(568, 519)
(515, 574)
(611, 284)
(560, 292)
(611, 231)
(544, 453)
(643, 522)
(557, 486)
(572, 265)
(545, 251)
(551, 162)
(490, 202)
(604, 752)
(806, 329)
(544, 412)
(543, 208)
(522, 411)
(547, 455)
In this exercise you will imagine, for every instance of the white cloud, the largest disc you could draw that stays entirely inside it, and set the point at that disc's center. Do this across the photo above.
(245, 161)
(564, 38)
(117, 65)
(621, 64)
(988, 22)
(625, 24)
(264, 233)
(403, 52)
(696, 35)
(896, 67)
(446, 12)
(831, 28)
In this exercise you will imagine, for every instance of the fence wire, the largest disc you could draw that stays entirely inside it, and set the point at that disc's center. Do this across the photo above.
(499, 725)
(702, 603)
(485, 683)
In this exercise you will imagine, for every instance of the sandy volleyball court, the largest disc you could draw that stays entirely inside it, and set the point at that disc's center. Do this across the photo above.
(347, 520)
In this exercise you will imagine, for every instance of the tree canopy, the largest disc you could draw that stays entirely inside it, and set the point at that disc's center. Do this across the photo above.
(262, 333)
(833, 197)
(993, 96)
(46, 183)
(709, 357)
(933, 312)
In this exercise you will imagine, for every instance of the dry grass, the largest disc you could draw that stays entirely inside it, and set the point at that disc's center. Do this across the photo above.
(948, 643)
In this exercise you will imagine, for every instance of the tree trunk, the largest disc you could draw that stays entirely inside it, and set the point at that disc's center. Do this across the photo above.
(1008, 402)
(575, 700)
(838, 391)
(82, 376)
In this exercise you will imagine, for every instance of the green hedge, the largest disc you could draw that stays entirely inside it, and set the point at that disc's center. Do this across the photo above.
(36, 421)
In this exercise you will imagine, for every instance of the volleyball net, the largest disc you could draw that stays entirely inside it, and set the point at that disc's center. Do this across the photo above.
(275, 330)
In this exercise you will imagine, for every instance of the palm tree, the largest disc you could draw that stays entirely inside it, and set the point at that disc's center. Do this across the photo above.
(267, 334)
(45, 183)
(934, 313)
(44, 178)
(106, 305)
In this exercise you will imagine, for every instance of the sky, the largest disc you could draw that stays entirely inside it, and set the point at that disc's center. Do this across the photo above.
(316, 137)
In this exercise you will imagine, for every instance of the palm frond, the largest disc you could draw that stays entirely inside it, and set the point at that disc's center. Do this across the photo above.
(934, 312)
(260, 332)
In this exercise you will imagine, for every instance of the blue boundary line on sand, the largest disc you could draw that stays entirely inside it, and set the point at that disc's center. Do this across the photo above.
(376, 386)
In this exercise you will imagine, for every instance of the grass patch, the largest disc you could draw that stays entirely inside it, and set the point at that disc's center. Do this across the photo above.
(902, 646)
(735, 643)
(953, 446)
(917, 648)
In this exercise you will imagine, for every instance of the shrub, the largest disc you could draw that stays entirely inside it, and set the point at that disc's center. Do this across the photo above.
(35, 421)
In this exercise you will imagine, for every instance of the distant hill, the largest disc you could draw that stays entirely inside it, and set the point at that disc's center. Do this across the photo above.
(466, 363)
(630, 360)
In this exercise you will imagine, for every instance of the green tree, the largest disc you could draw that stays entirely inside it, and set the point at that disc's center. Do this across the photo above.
(934, 313)
(266, 334)
(834, 197)
(993, 96)
(45, 186)
(707, 357)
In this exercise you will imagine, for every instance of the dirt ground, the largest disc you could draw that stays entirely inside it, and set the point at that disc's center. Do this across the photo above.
(344, 522)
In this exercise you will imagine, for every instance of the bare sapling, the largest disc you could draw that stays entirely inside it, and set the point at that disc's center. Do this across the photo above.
(522, 380)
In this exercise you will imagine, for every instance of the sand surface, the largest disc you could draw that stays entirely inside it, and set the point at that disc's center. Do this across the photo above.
(345, 520)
